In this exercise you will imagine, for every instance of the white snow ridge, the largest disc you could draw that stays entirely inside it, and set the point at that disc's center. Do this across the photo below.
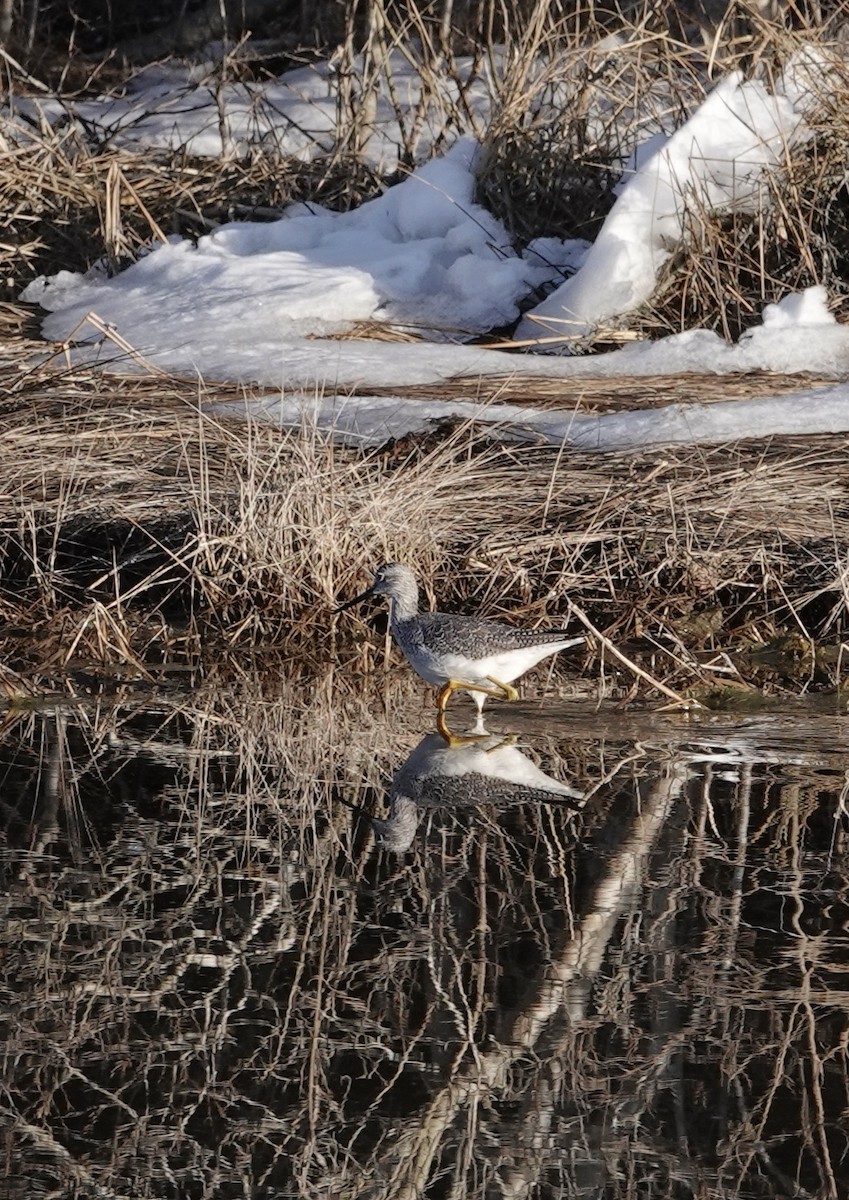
(715, 161)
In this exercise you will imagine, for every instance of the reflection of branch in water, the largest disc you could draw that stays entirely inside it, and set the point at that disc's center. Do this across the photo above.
(484, 770)
(52, 1150)
(565, 986)
(53, 784)
(567, 982)
(813, 1131)
(788, 1186)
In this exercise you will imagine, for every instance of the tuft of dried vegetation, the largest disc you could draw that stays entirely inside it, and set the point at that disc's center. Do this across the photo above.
(68, 204)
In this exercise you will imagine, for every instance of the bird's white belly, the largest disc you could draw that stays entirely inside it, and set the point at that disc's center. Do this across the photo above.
(432, 668)
(503, 667)
(508, 666)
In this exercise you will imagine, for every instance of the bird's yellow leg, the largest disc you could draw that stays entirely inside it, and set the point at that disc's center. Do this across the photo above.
(505, 692)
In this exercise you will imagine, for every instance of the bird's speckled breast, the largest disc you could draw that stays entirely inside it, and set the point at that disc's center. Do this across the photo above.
(420, 650)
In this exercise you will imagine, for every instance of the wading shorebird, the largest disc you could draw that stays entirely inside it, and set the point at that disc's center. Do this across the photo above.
(457, 653)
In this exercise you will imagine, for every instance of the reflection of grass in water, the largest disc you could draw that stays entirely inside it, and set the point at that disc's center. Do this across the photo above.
(227, 980)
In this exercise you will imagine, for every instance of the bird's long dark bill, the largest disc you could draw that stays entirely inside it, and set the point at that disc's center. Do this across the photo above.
(356, 600)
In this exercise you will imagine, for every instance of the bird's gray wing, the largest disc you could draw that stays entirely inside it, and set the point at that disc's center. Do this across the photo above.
(460, 635)
(477, 788)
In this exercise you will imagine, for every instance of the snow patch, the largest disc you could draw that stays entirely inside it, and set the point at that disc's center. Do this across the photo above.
(715, 162)
(423, 254)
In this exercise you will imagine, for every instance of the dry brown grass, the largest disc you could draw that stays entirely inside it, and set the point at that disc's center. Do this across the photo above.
(138, 528)
(729, 266)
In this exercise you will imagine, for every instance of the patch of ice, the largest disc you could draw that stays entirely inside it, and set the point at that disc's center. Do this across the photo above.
(807, 412)
(370, 420)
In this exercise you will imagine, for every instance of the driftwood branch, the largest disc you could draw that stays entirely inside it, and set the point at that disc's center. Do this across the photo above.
(684, 701)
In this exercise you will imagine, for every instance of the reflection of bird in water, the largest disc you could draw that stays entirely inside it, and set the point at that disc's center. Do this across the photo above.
(457, 653)
(489, 769)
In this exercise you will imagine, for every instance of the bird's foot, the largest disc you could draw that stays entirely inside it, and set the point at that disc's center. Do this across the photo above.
(500, 691)
(504, 739)
(505, 690)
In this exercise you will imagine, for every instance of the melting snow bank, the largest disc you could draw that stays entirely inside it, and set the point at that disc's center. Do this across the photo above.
(371, 420)
(245, 329)
(231, 337)
(715, 162)
(797, 334)
(423, 254)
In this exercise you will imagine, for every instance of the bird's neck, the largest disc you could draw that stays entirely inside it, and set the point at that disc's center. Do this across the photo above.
(404, 606)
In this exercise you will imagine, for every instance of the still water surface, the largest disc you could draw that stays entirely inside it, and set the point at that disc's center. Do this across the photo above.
(295, 944)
